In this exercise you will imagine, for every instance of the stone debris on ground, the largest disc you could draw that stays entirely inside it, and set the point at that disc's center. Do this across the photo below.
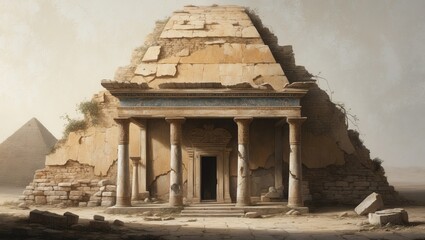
(98, 218)
(395, 216)
(370, 204)
(293, 212)
(152, 218)
(53, 220)
(118, 223)
(252, 215)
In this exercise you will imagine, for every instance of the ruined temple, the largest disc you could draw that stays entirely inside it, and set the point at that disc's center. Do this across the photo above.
(212, 109)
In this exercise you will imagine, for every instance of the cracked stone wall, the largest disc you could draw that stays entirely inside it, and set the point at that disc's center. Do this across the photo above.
(337, 166)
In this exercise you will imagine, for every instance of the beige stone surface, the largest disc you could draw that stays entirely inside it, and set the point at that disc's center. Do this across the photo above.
(166, 70)
(146, 69)
(152, 54)
(94, 146)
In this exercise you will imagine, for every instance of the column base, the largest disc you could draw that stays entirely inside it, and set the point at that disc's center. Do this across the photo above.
(123, 202)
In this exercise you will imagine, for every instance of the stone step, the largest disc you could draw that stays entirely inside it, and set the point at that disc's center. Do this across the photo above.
(211, 213)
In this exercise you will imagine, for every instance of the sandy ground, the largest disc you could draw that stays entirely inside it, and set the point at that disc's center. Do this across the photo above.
(323, 223)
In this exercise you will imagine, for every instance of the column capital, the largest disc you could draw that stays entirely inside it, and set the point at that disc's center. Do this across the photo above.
(123, 129)
(295, 120)
(140, 122)
(245, 120)
(135, 160)
(175, 119)
(243, 129)
(295, 130)
(175, 129)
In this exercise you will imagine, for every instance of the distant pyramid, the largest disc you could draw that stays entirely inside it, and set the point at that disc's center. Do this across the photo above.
(24, 152)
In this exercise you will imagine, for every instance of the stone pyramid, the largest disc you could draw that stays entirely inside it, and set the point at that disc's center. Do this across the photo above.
(24, 152)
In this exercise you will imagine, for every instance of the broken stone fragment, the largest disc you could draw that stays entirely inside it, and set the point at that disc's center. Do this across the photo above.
(252, 215)
(71, 218)
(370, 204)
(183, 53)
(98, 218)
(104, 182)
(153, 218)
(146, 69)
(152, 54)
(99, 225)
(118, 223)
(396, 216)
(166, 70)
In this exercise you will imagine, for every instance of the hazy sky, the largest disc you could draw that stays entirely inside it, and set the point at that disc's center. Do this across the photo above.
(53, 55)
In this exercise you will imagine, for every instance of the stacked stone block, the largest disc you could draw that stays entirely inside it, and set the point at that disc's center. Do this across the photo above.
(71, 185)
(106, 195)
(348, 184)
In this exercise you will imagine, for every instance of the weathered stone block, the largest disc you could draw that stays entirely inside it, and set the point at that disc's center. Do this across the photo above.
(65, 184)
(111, 188)
(99, 225)
(93, 203)
(397, 216)
(48, 219)
(82, 204)
(40, 200)
(107, 203)
(109, 194)
(76, 198)
(98, 218)
(252, 215)
(71, 218)
(61, 193)
(76, 193)
(104, 182)
(370, 204)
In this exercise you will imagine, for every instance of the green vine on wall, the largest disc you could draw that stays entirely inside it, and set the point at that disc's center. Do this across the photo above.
(92, 116)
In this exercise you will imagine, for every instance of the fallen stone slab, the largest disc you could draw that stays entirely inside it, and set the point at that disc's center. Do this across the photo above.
(98, 218)
(99, 225)
(48, 219)
(370, 204)
(252, 215)
(118, 223)
(153, 218)
(71, 218)
(396, 216)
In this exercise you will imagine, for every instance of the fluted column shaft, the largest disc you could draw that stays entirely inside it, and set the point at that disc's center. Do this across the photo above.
(176, 174)
(135, 179)
(243, 192)
(123, 170)
(295, 163)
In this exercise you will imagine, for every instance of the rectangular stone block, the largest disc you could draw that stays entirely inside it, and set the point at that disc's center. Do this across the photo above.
(61, 193)
(40, 200)
(109, 194)
(71, 218)
(107, 203)
(111, 188)
(76, 193)
(396, 216)
(76, 197)
(370, 204)
(65, 184)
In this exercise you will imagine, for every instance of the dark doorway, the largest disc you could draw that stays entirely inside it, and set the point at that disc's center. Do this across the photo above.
(208, 178)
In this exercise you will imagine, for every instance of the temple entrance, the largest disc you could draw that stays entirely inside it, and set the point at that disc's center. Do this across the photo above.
(208, 178)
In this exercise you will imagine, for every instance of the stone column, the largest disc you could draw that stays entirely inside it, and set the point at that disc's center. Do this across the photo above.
(135, 179)
(123, 173)
(278, 158)
(176, 174)
(295, 163)
(143, 156)
(243, 193)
